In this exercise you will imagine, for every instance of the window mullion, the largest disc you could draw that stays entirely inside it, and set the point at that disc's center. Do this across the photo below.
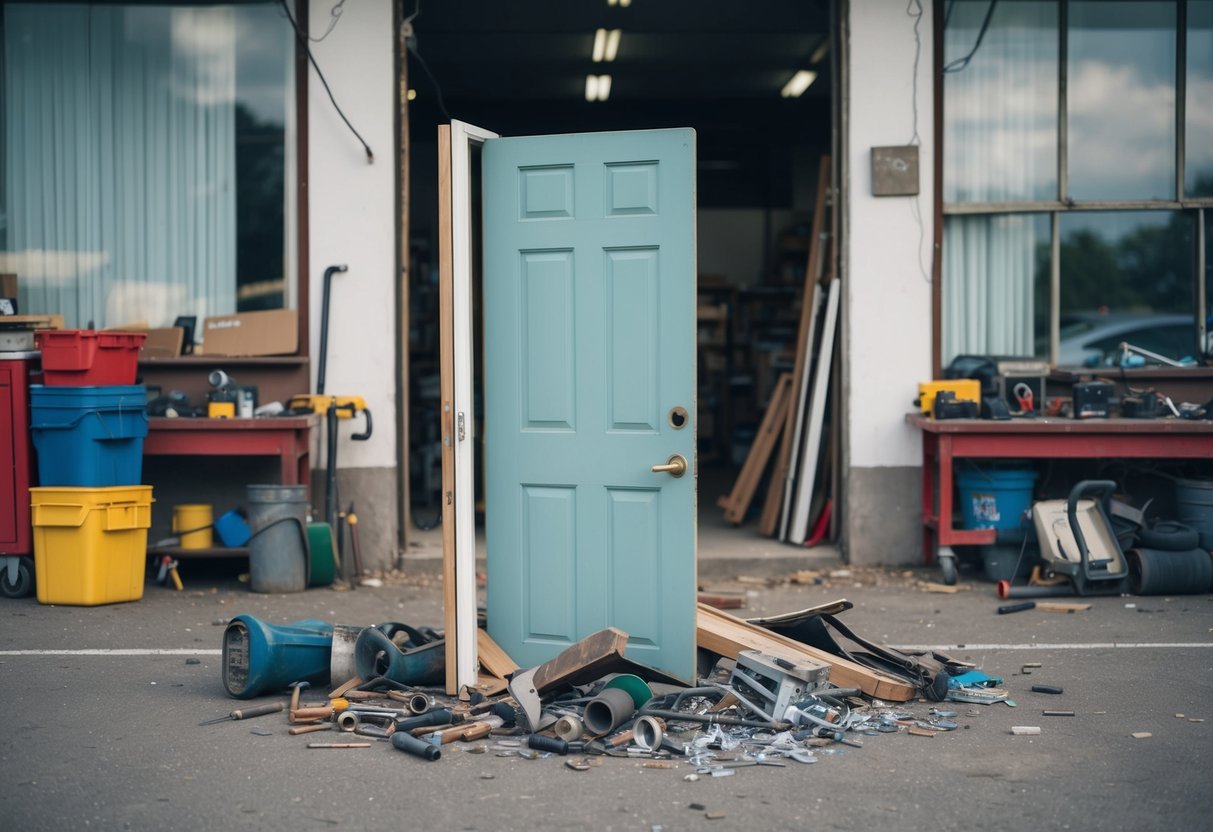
(1063, 119)
(1181, 94)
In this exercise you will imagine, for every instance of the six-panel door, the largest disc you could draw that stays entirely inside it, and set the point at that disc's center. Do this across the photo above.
(589, 378)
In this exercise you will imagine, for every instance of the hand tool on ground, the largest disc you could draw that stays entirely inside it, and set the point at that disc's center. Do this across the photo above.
(247, 713)
(442, 716)
(471, 731)
(552, 744)
(308, 714)
(351, 520)
(1009, 608)
(168, 569)
(412, 745)
(1046, 689)
(308, 729)
(338, 745)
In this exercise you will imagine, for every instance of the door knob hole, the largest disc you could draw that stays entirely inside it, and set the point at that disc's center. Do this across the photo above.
(678, 418)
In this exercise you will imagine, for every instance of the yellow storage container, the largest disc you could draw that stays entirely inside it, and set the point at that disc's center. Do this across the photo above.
(90, 544)
(966, 390)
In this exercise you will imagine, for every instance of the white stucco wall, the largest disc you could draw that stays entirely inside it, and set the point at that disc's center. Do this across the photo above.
(353, 216)
(888, 292)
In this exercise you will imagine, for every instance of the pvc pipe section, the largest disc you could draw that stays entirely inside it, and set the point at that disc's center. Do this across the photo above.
(1005, 590)
(608, 711)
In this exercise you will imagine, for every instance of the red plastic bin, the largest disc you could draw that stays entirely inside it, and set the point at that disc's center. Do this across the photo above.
(88, 358)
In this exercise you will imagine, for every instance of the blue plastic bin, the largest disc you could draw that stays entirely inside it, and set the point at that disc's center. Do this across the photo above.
(89, 437)
(995, 498)
(232, 529)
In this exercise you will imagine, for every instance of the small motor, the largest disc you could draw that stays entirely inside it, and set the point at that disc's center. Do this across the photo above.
(229, 400)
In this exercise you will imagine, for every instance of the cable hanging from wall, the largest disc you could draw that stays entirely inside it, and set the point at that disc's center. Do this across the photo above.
(410, 40)
(914, 10)
(303, 41)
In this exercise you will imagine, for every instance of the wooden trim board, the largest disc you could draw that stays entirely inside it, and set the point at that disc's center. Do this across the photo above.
(493, 659)
(446, 393)
(463, 136)
(807, 476)
(728, 635)
(737, 503)
(810, 298)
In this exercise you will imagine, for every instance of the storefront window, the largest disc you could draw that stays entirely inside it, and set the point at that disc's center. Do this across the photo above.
(145, 151)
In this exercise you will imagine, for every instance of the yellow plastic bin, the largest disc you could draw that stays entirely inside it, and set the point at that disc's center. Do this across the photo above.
(90, 544)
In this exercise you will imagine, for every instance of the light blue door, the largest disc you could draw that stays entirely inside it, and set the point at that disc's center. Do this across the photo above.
(589, 378)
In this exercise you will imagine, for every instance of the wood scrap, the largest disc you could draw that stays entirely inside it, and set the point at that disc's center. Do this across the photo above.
(944, 588)
(585, 661)
(1061, 606)
(780, 490)
(494, 660)
(737, 503)
(722, 600)
(727, 635)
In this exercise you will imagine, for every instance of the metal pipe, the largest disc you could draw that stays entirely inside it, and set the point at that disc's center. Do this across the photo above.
(1005, 590)
(419, 703)
(713, 719)
(324, 325)
(348, 721)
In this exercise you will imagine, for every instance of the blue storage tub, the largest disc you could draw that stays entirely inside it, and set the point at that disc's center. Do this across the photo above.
(995, 498)
(89, 437)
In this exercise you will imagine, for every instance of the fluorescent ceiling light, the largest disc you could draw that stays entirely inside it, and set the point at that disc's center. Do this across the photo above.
(606, 45)
(798, 83)
(624, 3)
(820, 52)
(612, 44)
(597, 87)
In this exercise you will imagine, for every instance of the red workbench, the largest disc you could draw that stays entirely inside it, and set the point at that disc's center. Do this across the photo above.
(1042, 438)
(288, 438)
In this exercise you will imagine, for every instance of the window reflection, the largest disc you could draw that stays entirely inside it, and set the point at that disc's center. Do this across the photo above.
(1125, 276)
(1001, 100)
(1121, 96)
(1198, 165)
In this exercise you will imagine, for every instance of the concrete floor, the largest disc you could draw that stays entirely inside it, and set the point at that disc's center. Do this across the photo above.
(110, 740)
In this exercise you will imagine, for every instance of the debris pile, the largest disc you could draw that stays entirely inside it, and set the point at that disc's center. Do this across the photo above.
(772, 692)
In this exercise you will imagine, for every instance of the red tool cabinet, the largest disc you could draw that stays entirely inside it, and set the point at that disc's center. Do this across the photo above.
(16, 453)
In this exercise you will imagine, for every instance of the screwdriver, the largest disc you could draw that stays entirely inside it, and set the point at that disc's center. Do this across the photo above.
(247, 713)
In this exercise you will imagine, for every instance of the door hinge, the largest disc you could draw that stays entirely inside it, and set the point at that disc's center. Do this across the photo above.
(460, 429)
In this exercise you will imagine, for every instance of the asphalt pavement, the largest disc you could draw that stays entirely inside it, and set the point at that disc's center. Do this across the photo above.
(103, 706)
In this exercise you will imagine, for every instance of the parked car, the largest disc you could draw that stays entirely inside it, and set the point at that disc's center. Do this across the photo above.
(1094, 340)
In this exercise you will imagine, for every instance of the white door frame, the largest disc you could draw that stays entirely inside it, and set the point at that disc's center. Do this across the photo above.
(463, 137)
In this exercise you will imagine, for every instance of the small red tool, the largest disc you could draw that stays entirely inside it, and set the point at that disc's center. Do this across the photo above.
(1023, 395)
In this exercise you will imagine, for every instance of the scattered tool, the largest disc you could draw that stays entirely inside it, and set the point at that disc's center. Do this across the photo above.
(168, 569)
(247, 713)
(338, 745)
(1046, 689)
(1009, 608)
(296, 689)
(1024, 398)
(1047, 712)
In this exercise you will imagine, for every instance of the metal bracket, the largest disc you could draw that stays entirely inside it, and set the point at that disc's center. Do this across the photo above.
(461, 428)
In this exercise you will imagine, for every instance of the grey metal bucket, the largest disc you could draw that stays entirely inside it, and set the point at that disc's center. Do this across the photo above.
(1194, 505)
(279, 558)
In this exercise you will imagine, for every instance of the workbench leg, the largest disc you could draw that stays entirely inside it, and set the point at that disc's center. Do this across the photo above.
(289, 463)
(943, 535)
(928, 498)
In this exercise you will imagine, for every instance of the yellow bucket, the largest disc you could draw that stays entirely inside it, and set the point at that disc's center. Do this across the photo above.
(193, 522)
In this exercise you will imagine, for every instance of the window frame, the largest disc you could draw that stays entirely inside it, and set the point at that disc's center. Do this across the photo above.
(1199, 207)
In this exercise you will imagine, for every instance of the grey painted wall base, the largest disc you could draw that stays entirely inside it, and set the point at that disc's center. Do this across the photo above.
(373, 493)
(883, 524)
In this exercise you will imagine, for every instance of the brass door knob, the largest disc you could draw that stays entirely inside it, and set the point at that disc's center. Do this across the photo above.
(676, 466)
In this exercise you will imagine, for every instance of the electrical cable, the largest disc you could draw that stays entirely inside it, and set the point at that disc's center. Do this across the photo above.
(434, 81)
(335, 14)
(914, 10)
(303, 40)
(963, 61)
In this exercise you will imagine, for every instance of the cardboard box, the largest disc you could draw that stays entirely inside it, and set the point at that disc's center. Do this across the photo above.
(8, 292)
(274, 332)
(163, 343)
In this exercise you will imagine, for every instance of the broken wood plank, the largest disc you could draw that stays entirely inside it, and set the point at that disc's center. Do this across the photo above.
(738, 502)
(585, 661)
(494, 660)
(1061, 606)
(490, 685)
(721, 600)
(727, 635)
(944, 588)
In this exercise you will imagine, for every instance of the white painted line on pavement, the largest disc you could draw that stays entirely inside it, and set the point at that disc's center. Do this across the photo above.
(117, 651)
(1096, 645)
